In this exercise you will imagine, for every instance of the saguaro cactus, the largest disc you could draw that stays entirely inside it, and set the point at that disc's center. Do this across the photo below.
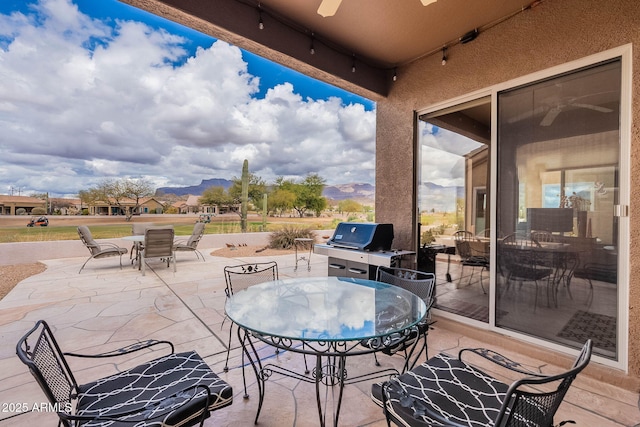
(244, 198)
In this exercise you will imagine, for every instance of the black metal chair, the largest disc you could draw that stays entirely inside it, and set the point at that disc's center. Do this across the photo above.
(446, 391)
(467, 248)
(423, 285)
(522, 261)
(238, 277)
(98, 251)
(173, 390)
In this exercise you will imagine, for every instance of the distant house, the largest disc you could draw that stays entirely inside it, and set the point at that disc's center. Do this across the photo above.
(110, 207)
(192, 205)
(64, 206)
(9, 204)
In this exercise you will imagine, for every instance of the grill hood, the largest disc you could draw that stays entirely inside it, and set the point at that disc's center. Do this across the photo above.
(363, 236)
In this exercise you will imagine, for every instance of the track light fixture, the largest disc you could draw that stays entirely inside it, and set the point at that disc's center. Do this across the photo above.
(312, 49)
(395, 74)
(470, 36)
(260, 21)
(353, 64)
(444, 55)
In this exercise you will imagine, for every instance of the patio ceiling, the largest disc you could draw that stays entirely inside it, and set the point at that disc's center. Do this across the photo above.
(375, 36)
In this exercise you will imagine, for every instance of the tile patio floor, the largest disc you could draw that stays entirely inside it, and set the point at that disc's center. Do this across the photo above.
(105, 308)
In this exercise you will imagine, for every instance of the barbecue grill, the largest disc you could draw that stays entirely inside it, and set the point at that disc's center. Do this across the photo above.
(358, 249)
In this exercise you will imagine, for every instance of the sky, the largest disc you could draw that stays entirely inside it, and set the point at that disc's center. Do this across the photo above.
(95, 90)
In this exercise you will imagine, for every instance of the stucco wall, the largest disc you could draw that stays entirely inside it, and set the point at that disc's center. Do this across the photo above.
(553, 33)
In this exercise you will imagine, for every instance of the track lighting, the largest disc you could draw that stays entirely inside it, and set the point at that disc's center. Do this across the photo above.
(470, 36)
(312, 49)
(395, 74)
(353, 64)
(444, 56)
(260, 21)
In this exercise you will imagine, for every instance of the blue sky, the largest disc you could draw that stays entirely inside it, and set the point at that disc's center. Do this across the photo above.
(97, 90)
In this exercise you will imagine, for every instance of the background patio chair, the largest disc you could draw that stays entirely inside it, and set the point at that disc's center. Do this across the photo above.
(138, 229)
(192, 243)
(98, 251)
(445, 391)
(176, 389)
(423, 285)
(522, 260)
(158, 243)
(467, 248)
(239, 277)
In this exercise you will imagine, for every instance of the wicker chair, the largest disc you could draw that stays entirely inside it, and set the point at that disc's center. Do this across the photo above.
(173, 390)
(445, 391)
(98, 251)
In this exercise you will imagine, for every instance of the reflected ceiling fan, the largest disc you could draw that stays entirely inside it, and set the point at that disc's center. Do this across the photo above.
(553, 109)
(330, 7)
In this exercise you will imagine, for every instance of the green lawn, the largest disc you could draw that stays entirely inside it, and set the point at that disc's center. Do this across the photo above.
(41, 234)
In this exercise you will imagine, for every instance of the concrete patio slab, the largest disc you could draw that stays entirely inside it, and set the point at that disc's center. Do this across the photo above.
(104, 308)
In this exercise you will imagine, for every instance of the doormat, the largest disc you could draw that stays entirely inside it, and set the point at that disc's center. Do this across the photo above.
(469, 309)
(599, 327)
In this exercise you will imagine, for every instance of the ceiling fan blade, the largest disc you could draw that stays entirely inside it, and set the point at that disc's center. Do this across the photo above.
(328, 7)
(427, 2)
(528, 114)
(550, 116)
(594, 107)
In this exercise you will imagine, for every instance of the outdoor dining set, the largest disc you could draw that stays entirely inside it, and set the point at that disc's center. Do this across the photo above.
(329, 321)
(148, 241)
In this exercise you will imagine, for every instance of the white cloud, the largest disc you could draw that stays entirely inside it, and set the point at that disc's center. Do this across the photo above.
(81, 101)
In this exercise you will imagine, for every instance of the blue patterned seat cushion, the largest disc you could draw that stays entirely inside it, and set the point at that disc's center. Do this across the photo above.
(146, 385)
(448, 386)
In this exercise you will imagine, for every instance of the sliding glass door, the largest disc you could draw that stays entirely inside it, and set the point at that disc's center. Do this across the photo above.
(540, 257)
(453, 200)
(558, 163)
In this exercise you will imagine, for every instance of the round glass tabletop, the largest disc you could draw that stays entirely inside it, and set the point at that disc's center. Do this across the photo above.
(325, 309)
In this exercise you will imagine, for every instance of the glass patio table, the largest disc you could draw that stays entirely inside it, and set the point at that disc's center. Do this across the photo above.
(325, 317)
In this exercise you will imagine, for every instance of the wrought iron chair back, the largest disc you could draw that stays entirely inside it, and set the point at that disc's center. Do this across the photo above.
(538, 407)
(417, 282)
(178, 389)
(239, 277)
(39, 350)
(421, 284)
(448, 391)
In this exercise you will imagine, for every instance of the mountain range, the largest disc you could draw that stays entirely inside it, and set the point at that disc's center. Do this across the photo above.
(440, 198)
(363, 193)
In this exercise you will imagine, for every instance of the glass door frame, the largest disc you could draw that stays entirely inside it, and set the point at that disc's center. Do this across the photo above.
(625, 54)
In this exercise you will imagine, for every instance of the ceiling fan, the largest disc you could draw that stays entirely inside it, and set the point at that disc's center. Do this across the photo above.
(330, 7)
(553, 108)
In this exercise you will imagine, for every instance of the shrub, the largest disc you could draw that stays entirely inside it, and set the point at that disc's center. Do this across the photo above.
(38, 211)
(285, 237)
(427, 237)
(21, 211)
